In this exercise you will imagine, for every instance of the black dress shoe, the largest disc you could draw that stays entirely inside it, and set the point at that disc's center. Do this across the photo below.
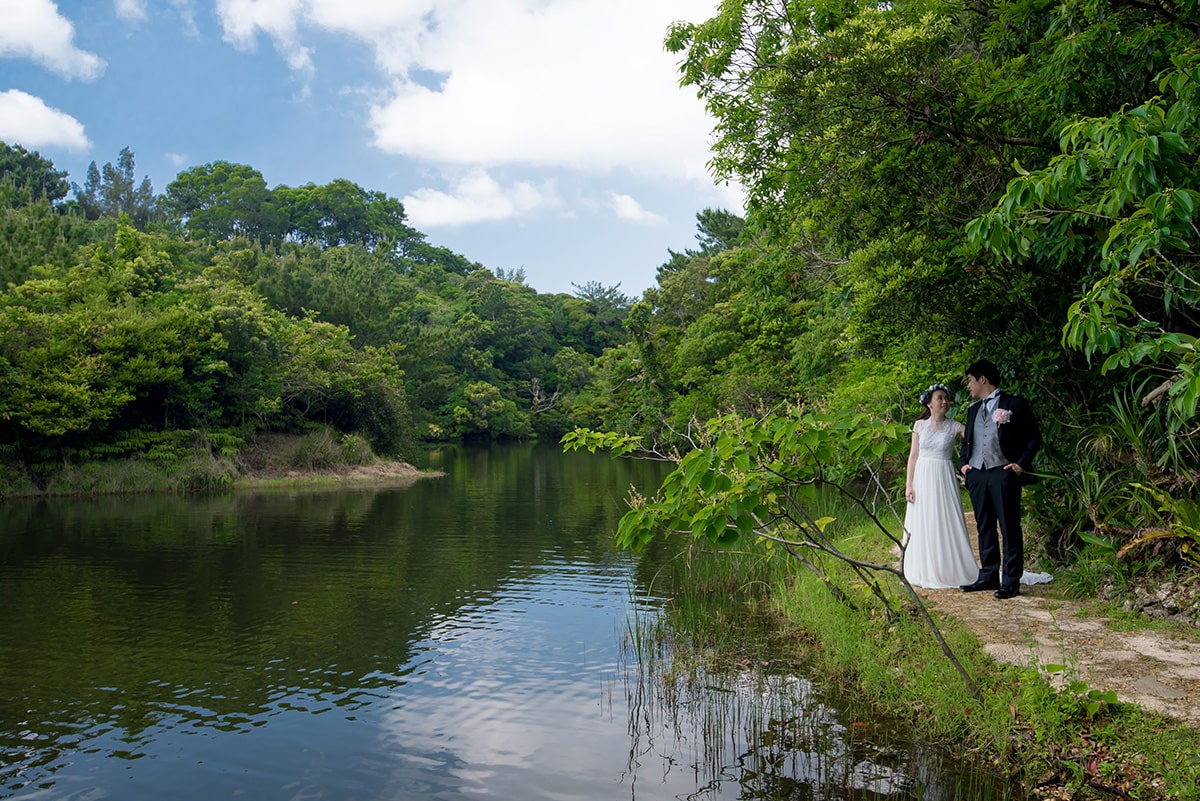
(1007, 592)
(980, 586)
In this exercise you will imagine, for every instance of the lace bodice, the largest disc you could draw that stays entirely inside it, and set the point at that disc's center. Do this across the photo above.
(937, 441)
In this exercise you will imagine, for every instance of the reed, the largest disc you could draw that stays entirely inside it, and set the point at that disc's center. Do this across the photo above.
(739, 619)
(1021, 721)
(716, 681)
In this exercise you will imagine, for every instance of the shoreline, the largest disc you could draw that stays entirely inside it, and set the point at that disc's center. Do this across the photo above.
(381, 474)
(139, 481)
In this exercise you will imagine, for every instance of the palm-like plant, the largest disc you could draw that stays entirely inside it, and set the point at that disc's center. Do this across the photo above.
(1128, 479)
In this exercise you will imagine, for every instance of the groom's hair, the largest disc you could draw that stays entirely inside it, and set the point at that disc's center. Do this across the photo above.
(985, 369)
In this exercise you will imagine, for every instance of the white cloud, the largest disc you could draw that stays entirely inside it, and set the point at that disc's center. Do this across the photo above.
(627, 208)
(27, 121)
(177, 160)
(34, 29)
(473, 86)
(477, 197)
(370, 21)
(188, 15)
(130, 10)
(138, 11)
(581, 84)
(278, 19)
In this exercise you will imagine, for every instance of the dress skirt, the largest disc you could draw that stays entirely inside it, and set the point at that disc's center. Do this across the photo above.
(938, 550)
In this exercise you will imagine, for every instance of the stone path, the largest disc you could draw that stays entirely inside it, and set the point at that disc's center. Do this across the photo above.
(1158, 670)
(1154, 669)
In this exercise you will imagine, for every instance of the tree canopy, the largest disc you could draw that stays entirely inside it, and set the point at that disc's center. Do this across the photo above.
(931, 182)
(29, 177)
(113, 190)
(928, 182)
(235, 309)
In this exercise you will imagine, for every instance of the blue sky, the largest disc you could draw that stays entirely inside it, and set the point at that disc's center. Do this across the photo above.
(545, 135)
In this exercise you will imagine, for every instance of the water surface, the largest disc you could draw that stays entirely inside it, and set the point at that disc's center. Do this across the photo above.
(458, 638)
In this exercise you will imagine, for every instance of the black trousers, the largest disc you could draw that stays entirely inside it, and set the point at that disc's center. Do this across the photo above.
(996, 497)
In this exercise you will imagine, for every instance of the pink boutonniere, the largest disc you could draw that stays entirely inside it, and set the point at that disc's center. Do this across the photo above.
(1002, 416)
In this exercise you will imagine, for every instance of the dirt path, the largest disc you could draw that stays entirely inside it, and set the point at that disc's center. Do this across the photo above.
(1155, 669)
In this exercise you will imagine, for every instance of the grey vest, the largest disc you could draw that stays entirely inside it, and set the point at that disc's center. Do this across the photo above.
(985, 443)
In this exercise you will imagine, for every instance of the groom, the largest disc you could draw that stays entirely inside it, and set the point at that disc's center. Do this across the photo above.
(997, 451)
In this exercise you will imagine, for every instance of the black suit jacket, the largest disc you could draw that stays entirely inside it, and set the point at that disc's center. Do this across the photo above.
(1020, 437)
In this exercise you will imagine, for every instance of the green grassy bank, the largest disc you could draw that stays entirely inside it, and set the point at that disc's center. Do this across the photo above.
(1068, 744)
(320, 458)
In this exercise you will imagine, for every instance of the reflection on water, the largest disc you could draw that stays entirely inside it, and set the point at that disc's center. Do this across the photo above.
(751, 732)
(460, 637)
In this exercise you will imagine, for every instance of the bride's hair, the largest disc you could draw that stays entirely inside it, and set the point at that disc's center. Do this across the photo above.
(927, 395)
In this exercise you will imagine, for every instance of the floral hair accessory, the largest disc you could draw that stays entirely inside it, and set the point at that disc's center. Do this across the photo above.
(1002, 416)
(928, 393)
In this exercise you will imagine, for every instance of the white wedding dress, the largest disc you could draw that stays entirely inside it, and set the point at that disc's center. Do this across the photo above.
(938, 551)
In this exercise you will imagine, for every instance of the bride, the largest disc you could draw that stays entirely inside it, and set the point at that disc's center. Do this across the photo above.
(937, 550)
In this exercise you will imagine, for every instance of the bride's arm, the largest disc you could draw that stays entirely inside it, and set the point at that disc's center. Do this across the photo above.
(913, 451)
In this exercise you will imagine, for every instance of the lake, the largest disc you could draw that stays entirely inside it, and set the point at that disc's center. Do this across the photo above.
(466, 636)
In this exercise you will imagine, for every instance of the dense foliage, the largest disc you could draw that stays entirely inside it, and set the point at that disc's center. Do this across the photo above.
(928, 182)
(152, 326)
(932, 182)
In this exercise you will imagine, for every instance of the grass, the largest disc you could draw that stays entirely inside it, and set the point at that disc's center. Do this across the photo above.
(696, 583)
(730, 672)
(319, 459)
(1064, 742)
(198, 473)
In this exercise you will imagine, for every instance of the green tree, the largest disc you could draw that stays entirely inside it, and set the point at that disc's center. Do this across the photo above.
(134, 341)
(481, 412)
(39, 234)
(113, 190)
(1122, 198)
(346, 285)
(29, 177)
(79, 349)
(868, 136)
(219, 201)
(608, 307)
(343, 213)
(88, 196)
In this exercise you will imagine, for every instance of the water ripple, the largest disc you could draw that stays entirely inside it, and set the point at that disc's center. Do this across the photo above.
(458, 638)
